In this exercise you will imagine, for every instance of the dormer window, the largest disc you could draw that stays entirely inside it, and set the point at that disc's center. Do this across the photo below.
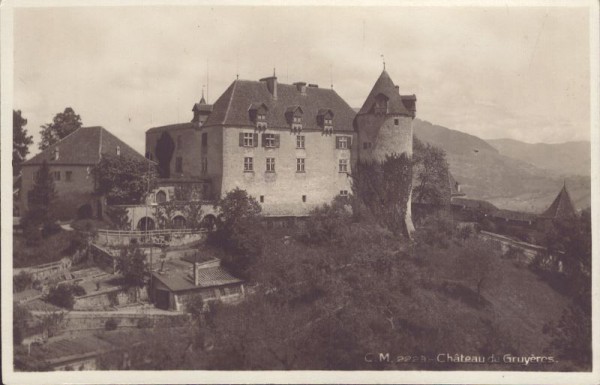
(258, 115)
(325, 119)
(118, 150)
(294, 118)
(381, 104)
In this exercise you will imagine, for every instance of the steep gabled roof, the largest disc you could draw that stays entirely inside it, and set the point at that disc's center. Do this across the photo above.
(385, 86)
(231, 108)
(562, 207)
(83, 147)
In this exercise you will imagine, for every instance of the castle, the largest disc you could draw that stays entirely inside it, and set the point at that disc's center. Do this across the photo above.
(291, 146)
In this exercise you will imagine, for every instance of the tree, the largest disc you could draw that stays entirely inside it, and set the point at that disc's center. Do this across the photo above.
(123, 180)
(21, 141)
(40, 200)
(119, 217)
(326, 223)
(431, 171)
(239, 231)
(385, 188)
(22, 281)
(132, 265)
(21, 318)
(62, 125)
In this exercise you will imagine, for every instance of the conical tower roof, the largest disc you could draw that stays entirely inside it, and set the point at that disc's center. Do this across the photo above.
(562, 207)
(385, 86)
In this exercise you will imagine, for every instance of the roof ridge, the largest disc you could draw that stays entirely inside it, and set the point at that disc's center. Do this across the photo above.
(54, 144)
(100, 144)
(233, 84)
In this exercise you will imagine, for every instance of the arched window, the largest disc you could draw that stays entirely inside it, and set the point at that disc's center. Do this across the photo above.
(146, 223)
(179, 222)
(161, 197)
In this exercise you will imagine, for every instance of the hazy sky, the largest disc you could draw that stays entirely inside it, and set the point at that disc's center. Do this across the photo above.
(501, 72)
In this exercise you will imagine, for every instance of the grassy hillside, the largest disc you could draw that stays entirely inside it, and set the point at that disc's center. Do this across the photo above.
(509, 183)
(571, 158)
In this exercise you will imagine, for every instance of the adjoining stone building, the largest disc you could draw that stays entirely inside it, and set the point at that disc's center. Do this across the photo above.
(291, 146)
(71, 161)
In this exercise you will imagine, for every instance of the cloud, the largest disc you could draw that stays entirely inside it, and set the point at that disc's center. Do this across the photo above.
(493, 72)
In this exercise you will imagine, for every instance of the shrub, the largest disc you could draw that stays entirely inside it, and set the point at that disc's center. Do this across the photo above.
(326, 223)
(77, 290)
(22, 281)
(61, 296)
(50, 229)
(32, 235)
(111, 324)
(144, 323)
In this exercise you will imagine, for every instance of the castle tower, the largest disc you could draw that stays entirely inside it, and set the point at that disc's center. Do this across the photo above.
(385, 126)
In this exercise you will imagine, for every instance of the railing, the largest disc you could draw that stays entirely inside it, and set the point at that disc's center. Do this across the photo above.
(150, 233)
(153, 237)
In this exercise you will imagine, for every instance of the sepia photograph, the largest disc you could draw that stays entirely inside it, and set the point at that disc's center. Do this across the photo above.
(314, 192)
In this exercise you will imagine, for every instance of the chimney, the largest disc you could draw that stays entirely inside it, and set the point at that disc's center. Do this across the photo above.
(397, 89)
(312, 85)
(301, 87)
(271, 85)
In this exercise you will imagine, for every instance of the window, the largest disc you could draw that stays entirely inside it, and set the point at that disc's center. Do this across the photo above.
(56, 154)
(304, 198)
(396, 122)
(367, 145)
(68, 176)
(204, 165)
(300, 141)
(269, 140)
(248, 165)
(179, 164)
(270, 164)
(118, 150)
(161, 197)
(204, 139)
(262, 199)
(261, 117)
(343, 165)
(328, 121)
(248, 139)
(342, 142)
(299, 164)
(344, 193)
(297, 119)
(56, 175)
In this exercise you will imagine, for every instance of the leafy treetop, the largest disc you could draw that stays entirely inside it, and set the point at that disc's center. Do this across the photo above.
(123, 180)
(21, 141)
(62, 125)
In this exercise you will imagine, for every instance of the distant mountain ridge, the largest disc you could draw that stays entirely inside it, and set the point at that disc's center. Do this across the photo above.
(509, 182)
(570, 158)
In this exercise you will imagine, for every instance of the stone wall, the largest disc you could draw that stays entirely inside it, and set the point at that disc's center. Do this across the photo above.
(283, 190)
(71, 195)
(79, 321)
(187, 143)
(109, 298)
